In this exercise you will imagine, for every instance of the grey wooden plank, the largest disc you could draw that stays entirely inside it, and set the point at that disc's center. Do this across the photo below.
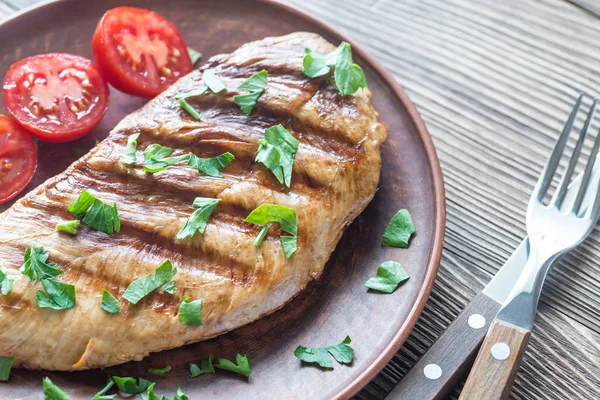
(494, 82)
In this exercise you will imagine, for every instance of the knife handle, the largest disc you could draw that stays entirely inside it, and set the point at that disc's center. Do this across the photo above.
(448, 358)
(497, 363)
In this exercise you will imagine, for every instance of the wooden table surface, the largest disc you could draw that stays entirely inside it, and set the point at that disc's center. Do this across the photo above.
(494, 82)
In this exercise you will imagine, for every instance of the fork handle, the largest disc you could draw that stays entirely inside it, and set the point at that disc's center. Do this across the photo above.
(497, 363)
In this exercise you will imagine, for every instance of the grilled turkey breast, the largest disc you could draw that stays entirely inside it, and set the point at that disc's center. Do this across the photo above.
(335, 175)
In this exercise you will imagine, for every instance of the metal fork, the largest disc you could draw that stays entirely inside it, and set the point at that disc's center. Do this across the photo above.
(553, 231)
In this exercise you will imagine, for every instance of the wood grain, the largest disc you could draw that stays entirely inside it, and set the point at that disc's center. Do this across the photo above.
(494, 81)
(492, 375)
(454, 352)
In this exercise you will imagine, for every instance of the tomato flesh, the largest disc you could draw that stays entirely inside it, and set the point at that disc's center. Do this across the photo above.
(58, 97)
(18, 159)
(139, 52)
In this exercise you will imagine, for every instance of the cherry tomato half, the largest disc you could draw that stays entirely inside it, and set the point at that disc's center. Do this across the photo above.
(57, 97)
(18, 159)
(139, 52)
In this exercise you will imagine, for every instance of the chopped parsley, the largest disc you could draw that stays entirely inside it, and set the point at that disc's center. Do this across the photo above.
(101, 395)
(277, 152)
(190, 312)
(103, 217)
(129, 385)
(57, 295)
(159, 371)
(179, 396)
(96, 214)
(5, 367)
(210, 79)
(199, 219)
(349, 77)
(241, 365)
(389, 275)
(211, 166)
(53, 392)
(145, 285)
(69, 226)
(261, 236)
(80, 206)
(205, 367)
(286, 217)
(399, 230)
(109, 303)
(195, 55)
(130, 150)
(255, 85)
(36, 265)
(188, 108)
(157, 158)
(320, 355)
(6, 283)
(169, 287)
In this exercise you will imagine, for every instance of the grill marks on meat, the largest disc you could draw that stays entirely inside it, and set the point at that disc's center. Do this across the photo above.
(335, 175)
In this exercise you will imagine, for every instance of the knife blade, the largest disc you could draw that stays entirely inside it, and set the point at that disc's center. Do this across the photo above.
(447, 360)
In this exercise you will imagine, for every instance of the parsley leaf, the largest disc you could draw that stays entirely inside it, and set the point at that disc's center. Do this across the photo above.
(286, 217)
(6, 283)
(199, 219)
(242, 367)
(130, 386)
(194, 55)
(205, 367)
(399, 230)
(389, 275)
(255, 85)
(179, 396)
(80, 206)
(145, 285)
(159, 371)
(319, 355)
(69, 226)
(101, 395)
(103, 217)
(5, 367)
(100, 216)
(130, 150)
(53, 392)
(190, 312)
(211, 166)
(57, 295)
(210, 79)
(156, 158)
(109, 303)
(349, 77)
(35, 265)
(169, 287)
(277, 152)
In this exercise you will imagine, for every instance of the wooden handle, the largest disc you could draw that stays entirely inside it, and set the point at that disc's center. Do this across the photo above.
(497, 363)
(447, 360)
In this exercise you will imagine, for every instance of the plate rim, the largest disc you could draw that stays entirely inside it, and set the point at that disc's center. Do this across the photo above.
(435, 170)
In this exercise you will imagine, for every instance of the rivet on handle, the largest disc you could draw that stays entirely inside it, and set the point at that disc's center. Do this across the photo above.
(476, 321)
(500, 351)
(432, 371)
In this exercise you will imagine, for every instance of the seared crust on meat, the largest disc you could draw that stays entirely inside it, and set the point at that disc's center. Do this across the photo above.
(335, 175)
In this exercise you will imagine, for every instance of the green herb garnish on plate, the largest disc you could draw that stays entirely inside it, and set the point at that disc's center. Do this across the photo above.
(399, 230)
(5, 367)
(110, 304)
(390, 274)
(145, 285)
(57, 295)
(320, 355)
(349, 77)
(53, 392)
(241, 365)
(190, 312)
(277, 151)
(255, 85)
(199, 219)
(36, 265)
(286, 217)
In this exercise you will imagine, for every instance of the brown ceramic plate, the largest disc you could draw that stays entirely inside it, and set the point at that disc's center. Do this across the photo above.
(328, 310)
